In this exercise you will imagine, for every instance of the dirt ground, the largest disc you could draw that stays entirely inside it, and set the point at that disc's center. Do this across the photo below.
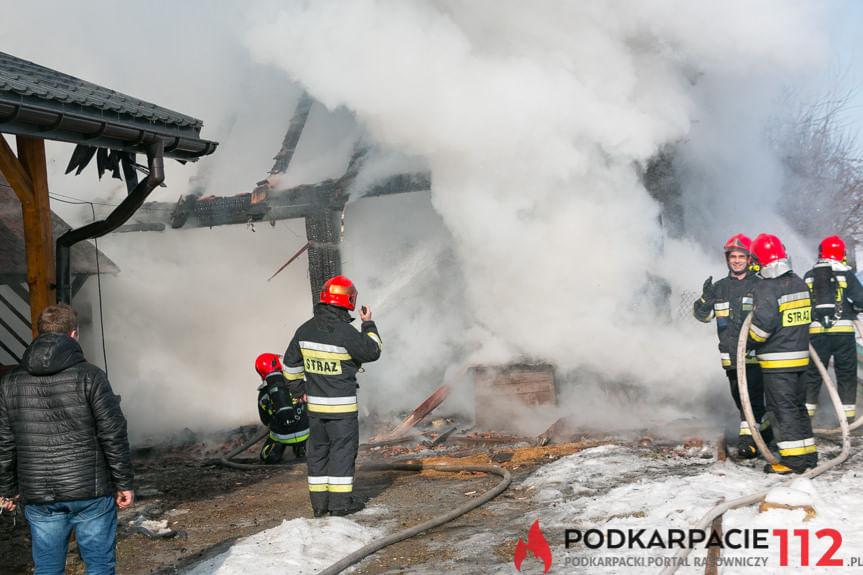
(190, 506)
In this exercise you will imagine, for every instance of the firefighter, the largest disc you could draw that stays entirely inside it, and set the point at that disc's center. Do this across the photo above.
(729, 300)
(281, 409)
(837, 296)
(780, 336)
(328, 352)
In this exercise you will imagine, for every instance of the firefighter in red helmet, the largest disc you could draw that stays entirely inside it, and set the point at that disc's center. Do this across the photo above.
(780, 335)
(327, 352)
(281, 409)
(729, 300)
(837, 297)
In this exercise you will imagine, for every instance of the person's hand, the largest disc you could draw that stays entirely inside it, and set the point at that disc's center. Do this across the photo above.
(365, 313)
(125, 499)
(707, 289)
(8, 503)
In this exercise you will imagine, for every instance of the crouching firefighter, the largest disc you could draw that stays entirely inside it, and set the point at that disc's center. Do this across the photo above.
(328, 352)
(837, 296)
(281, 409)
(729, 300)
(780, 335)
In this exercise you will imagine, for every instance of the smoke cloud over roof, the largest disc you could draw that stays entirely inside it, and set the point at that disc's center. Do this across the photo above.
(538, 240)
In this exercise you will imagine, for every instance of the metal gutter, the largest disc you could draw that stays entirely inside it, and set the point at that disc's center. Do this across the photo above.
(120, 214)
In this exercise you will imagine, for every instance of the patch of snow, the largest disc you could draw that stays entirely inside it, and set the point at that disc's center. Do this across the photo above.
(299, 546)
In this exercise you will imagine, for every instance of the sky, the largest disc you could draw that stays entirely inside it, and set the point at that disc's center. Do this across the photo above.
(611, 489)
(538, 241)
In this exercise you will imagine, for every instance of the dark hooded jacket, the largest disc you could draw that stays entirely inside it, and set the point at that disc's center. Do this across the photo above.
(62, 433)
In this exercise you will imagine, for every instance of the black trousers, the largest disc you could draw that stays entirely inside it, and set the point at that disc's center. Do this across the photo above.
(786, 399)
(331, 454)
(755, 387)
(843, 349)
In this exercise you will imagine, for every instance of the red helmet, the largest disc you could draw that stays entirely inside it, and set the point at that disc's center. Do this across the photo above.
(267, 363)
(339, 291)
(832, 248)
(767, 249)
(739, 243)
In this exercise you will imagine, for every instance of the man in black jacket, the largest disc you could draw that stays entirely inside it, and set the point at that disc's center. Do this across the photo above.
(730, 300)
(64, 448)
(328, 352)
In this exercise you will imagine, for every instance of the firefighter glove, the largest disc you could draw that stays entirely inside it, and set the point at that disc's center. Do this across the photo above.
(707, 290)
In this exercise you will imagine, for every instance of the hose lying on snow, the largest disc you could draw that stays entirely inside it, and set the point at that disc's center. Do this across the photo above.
(374, 546)
(705, 521)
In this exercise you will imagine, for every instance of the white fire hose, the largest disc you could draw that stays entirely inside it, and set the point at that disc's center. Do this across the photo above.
(718, 510)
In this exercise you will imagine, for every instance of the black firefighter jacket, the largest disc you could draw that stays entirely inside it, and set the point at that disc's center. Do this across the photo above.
(328, 352)
(62, 433)
(285, 417)
(780, 324)
(846, 297)
(731, 303)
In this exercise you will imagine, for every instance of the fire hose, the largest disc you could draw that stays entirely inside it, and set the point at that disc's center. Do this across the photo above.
(374, 546)
(226, 459)
(718, 510)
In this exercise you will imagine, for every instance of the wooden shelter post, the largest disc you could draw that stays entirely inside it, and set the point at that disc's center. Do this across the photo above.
(27, 174)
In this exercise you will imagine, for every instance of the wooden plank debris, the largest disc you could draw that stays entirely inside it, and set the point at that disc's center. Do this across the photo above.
(418, 414)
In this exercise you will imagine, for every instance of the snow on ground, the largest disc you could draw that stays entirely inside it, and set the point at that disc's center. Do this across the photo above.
(299, 546)
(613, 490)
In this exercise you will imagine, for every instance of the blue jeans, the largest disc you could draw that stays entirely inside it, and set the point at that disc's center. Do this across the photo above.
(95, 525)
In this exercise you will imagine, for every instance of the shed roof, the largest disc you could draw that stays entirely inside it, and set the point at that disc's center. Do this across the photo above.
(44, 103)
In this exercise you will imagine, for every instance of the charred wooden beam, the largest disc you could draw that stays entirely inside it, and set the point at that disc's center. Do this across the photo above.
(292, 137)
(264, 204)
(324, 230)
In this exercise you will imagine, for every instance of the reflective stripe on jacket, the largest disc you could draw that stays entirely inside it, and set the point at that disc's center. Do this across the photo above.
(732, 304)
(780, 323)
(327, 351)
(849, 297)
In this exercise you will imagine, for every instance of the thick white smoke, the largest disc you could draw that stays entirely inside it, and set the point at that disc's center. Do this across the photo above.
(534, 119)
(538, 240)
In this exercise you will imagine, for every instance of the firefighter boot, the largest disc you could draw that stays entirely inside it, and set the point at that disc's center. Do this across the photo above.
(746, 448)
(778, 468)
(272, 452)
(299, 450)
(793, 464)
(354, 505)
(767, 434)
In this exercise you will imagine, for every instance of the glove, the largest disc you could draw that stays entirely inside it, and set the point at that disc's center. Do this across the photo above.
(707, 290)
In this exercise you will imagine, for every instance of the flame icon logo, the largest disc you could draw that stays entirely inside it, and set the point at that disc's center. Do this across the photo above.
(535, 542)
